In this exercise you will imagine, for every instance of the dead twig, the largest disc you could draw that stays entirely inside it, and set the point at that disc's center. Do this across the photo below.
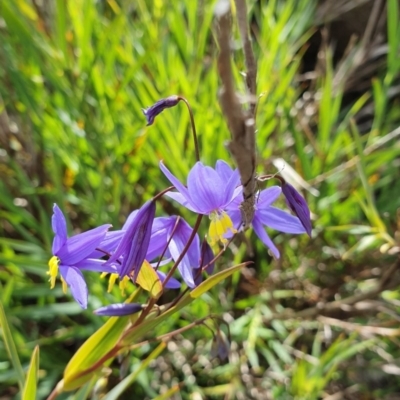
(240, 122)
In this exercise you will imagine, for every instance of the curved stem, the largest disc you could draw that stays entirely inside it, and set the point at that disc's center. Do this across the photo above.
(53, 395)
(168, 242)
(263, 178)
(185, 249)
(196, 143)
(153, 301)
(161, 194)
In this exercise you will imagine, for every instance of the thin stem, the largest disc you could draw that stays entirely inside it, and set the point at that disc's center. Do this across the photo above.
(263, 178)
(159, 195)
(201, 270)
(168, 242)
(53, 395)
(171, 334)
(185, 249)
(153, 301)
(196, 143)
(222, 251)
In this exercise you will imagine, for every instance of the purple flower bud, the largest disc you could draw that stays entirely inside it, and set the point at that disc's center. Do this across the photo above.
(220, 346)
(151, 112)
(207, 256)
(298, 205)
(118, 310)
(135, 242)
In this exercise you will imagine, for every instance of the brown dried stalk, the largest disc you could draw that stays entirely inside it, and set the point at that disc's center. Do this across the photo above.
(241, 122)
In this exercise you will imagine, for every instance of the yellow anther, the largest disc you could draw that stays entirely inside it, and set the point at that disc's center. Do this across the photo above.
(64, 285)
(53, 270)
(111, 282)
(123, 283)
(220, 225)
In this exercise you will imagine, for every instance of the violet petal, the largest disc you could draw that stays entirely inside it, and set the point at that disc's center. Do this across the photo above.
(75, 280)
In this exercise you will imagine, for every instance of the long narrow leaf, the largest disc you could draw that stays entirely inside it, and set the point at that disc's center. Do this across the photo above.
(11, 349)
(115, 393)
(30, 388)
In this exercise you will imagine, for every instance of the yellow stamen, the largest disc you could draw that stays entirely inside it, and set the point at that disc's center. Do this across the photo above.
(123, 283)
(220, 225)
(53, 270)
(64, 285)
(111, 282)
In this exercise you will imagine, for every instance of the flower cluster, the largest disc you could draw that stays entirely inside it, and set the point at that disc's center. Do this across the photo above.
(147, 240)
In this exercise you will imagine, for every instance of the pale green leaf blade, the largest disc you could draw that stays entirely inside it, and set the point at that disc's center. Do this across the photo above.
(214, 280)
(32, 377)
(11, 349)
(93, 350)
(116, 392)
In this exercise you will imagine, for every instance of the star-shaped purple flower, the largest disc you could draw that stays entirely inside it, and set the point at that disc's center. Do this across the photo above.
(266, 215)
(71, 255)
(209, 191)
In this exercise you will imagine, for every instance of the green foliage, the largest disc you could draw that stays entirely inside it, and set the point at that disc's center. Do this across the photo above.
(73, 79)
(30, 388)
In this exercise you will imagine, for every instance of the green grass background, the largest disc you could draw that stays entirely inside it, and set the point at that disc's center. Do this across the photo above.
(74, 76)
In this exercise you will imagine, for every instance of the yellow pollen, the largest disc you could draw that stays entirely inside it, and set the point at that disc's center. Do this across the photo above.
(53, 270)
(220, 225)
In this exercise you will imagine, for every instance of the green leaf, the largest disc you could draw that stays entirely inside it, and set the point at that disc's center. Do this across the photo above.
(11, 349)
(82, 366)
(214, 280)
(96, 347)
(115, 393)
(32, 377)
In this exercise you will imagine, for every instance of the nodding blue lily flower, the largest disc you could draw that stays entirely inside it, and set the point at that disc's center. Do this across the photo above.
(266, 215)
(151, 112)
(209, 192)
(298, 205)
(134, 243)
(71, 255)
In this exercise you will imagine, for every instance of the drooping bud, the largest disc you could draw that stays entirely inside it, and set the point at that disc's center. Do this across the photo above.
(298, 205)
(220, 346)
(151, 112)
(207, 256)
(135, 242)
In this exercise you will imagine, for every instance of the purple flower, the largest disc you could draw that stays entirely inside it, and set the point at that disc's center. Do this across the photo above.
(266, 215)
(71, 255)
(207, 256)
(209, 191)
(163, 228)
(160, 243)
(119, 309)
(134, 242)
(151, 112)
(298, 205)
